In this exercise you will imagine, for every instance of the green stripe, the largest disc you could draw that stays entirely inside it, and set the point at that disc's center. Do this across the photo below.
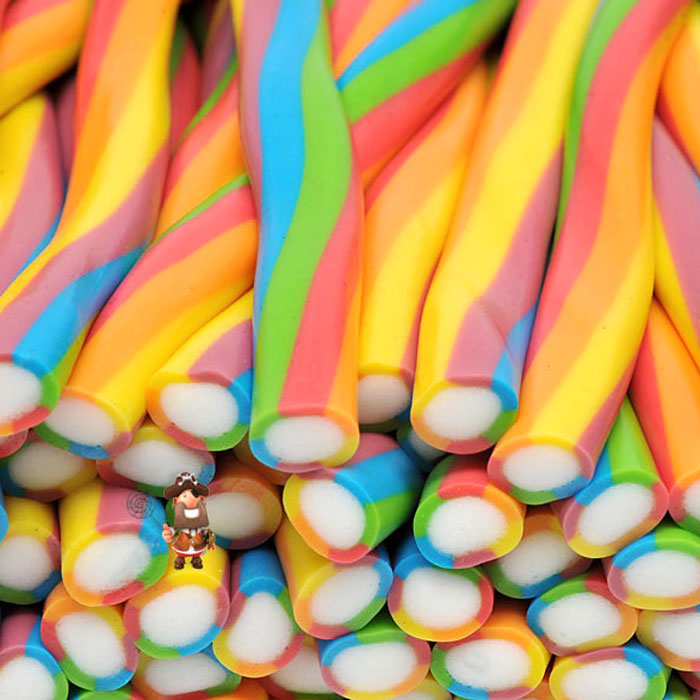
(630, 457)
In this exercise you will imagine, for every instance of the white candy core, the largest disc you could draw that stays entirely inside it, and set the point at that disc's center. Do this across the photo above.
(666, 574)
(20, 391)
(302, 674)
(235, 515)
(462, 413)
(488, 664)
(41, 466)
(374, 668)
(381, 397)
(304, 439)
(25, 678)
(678, 632)
(344, 595)
(537, 557)
(185, 674)
(24, 562)
(691, 500)
(541, 467)
(82, 422)
(200, 408)
(614, 679)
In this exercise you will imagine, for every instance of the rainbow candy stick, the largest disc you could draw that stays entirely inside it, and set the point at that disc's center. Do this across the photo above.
(202, 593)
(202, 395)
(503, 660)
(260, 635)
(12, 443)
(110, 210)
(31, 174)
(307, 279)
(185, 82)
(624, 500)
(65, 117)
(244, 454)
(30, 558)
(73, 633)
(40, 39)
(439, 605)
(462, 519)
(581, 615)
(542, 558)
(401, 76)
(402, 245)
(660, 571)
(111, 543)
(42, 472)
(592, 310)
(632, 667)
(673, 636)
(423, 454)
(665, 391)
(153, 460)
(678, 104)
(378, 662)
(344, 513)
(330, 599)
(219, 47)
(195, 677)
(25, 664)
(489, 276)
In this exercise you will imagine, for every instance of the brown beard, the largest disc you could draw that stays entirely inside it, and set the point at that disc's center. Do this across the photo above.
(182, 521)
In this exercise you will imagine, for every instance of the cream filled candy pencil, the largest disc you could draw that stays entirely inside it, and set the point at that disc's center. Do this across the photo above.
(295, 133)
(673, 635)
(185, 82)
(345, 512)
(110, 210)
(30, 552)
(488, 279)
(90, 644)
(202, 394)
(329, 599)
(439, 605)
(260, 635)
(592, 310)
(402, 245)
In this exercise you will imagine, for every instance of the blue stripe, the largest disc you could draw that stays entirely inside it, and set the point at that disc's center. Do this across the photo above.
(602, 479)
(261, 572)
(42, 243)
(241, 388)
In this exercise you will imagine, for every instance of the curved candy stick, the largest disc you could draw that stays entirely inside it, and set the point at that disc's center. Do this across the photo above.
(12, 443)
(260, 635)
(90, 644)
(344, 513)
(462, 519)
(24, 658)
(402, 245)
(185, 82)
(202, 593)
(503, 660)
(541, 559)
(581, 615)
(110, 210)
(660, 571)
(153, 460)
(674, 636)
(307, 279)
(111, 543)
(32, 183)
(219, 48)
(423, 454)
(479, 311)
(202, 395)
(592, 310)
(624, 500)
(40, 39)
(30, 553)
(329, 599)
(439, 605)
(42, 472)
(665, 391)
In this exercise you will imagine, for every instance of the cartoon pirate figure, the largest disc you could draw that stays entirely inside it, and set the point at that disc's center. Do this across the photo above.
(191, 536)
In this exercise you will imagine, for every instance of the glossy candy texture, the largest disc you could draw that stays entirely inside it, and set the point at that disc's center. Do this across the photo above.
(665, 391)
(110, 210)
(592, 310)
(185, 82)
(479, 311)
(402, 245)
(295, 134)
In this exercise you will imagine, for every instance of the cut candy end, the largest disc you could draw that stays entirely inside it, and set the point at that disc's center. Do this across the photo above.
(613, 679)
(91, 644)
(161, 619)
(649, 574)
(25, 678)
(202, 409)
(440, 599)
(345, 595)
(184, 674)
(235, 515)
(39, 466)
(462, 413)
(691, 500)
(82, 422)
(381, 397)
(679, 632)
(304, 439)
(614, 513)
(262, 630)
(25, 563)
(20, 391)
(466, 524)
(374, 668)
(579, 619)
(303, 674)
(488, 664)
(541, 467)
(112, 562)
(333, 512)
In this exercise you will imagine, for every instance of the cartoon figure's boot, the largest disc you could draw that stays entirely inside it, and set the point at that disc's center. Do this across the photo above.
(179, 563)
(197, 562)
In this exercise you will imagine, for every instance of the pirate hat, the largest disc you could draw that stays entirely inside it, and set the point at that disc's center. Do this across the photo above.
(185, 481)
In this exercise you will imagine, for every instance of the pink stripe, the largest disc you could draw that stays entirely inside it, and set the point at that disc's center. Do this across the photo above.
(15, 630)
(229, 357)
(113, 514)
